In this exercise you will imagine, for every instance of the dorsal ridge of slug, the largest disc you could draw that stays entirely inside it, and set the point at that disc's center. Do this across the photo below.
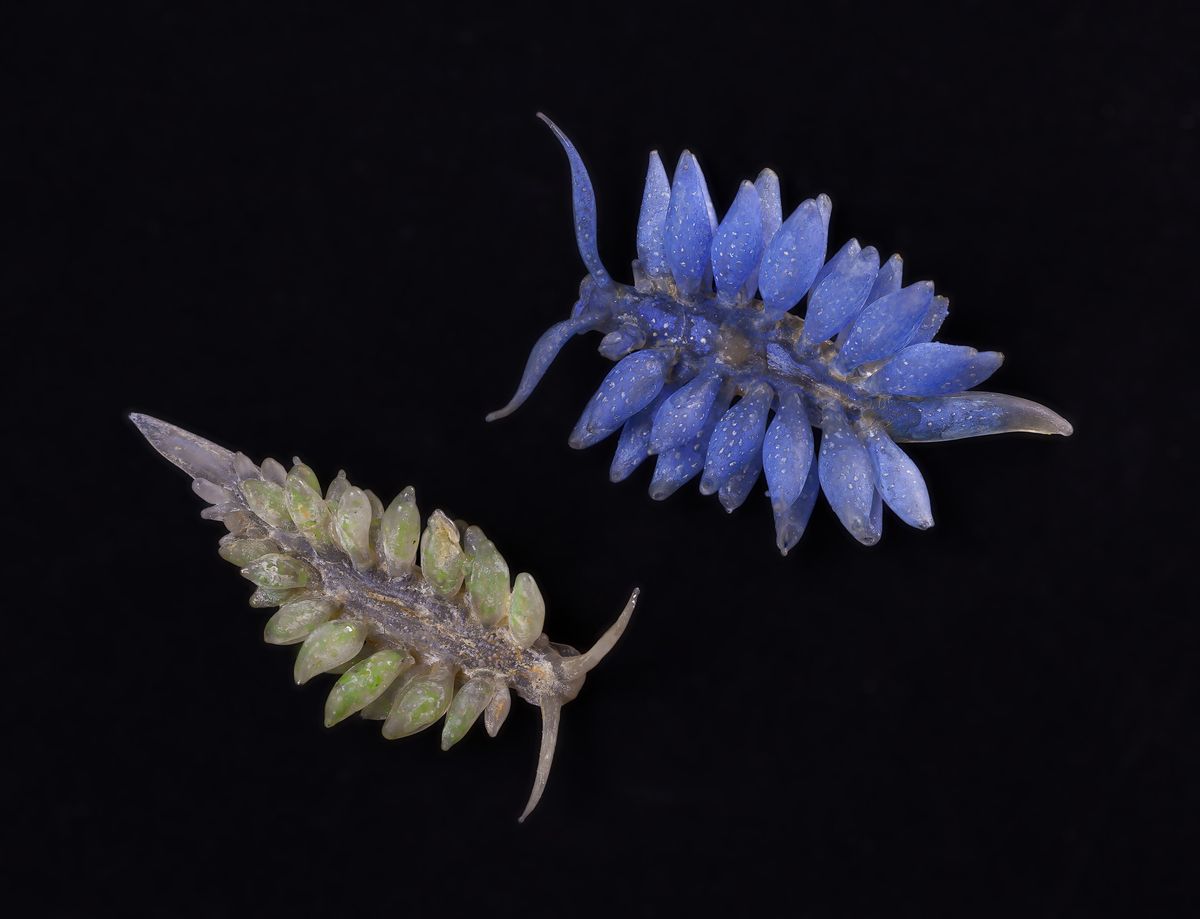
(406, 636)
(717, 297)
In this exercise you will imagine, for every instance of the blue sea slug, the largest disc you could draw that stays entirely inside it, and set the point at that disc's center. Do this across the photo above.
(717, 378)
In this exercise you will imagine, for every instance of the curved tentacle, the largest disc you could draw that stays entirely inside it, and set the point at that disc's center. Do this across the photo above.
(551, 709)
(576, 667)
(545, 350)
(583, 199)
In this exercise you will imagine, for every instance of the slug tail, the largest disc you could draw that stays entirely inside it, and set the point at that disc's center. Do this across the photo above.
(972, 414)
(199, 458)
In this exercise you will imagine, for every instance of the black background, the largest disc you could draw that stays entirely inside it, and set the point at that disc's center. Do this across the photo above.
(337, 233)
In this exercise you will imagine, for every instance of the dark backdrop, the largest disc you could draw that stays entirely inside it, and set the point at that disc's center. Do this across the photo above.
(337, 233)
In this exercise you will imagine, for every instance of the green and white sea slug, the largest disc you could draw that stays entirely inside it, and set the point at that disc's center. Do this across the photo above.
(413, 642)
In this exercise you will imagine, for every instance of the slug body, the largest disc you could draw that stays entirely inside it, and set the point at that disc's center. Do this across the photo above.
(707, 321)
(449, 638)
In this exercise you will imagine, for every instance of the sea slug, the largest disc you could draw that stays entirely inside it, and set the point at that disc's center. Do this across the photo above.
(707, 321)
(413, 643)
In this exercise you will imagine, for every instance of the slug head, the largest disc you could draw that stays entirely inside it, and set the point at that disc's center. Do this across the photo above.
(571, 668)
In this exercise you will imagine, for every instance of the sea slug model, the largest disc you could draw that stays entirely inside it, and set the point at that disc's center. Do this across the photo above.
(691, 335)
(450, 637)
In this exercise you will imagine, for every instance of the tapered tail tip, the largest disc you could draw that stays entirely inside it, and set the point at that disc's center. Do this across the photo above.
(145, 423)
(199, 458)
(1051, 423)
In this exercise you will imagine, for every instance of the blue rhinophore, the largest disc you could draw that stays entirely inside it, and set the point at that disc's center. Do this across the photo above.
(736, 442)
(688, 230)
(840, 292)
(788, 449)
(795, 254)
(633, 446)
(629, 387)
(717, 378)
(681, 417)
(737, 247)
(885, 326)
(847, 479)
(651, 245)
(677, 466)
